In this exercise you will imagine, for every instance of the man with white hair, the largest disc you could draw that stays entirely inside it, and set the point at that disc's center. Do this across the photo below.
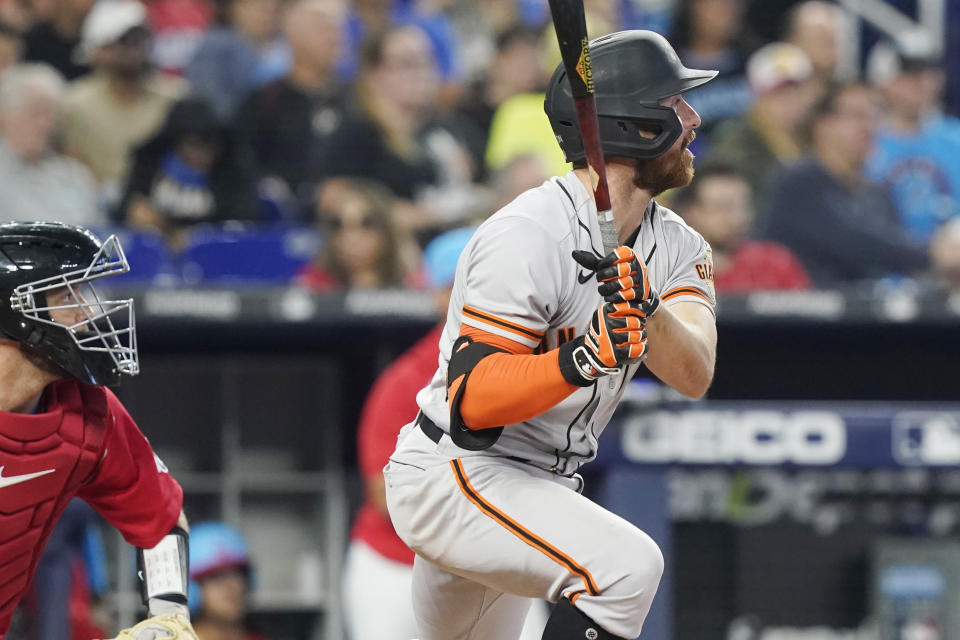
(123, 102)
(36, 182)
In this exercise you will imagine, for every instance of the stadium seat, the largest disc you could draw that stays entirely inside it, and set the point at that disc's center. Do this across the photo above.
(271, 255)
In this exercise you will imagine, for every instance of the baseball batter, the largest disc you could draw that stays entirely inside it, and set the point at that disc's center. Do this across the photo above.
(534, 358)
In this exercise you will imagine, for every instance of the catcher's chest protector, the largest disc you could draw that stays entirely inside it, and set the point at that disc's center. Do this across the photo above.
(44, 460)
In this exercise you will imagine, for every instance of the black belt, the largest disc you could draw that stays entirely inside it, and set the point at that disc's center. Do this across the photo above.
(428, 427)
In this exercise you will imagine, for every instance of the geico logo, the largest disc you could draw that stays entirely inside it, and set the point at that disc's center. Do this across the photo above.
(729, 437)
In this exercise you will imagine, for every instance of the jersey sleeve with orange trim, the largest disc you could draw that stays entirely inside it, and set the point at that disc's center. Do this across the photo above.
(691, 278)
(512, 281)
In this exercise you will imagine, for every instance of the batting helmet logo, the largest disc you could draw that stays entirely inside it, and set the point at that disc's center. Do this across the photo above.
(591, 634)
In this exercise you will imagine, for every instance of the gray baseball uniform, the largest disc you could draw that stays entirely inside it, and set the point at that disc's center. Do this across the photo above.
(496, 526)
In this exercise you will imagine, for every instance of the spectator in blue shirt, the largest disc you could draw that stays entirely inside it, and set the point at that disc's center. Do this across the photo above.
(917, 146)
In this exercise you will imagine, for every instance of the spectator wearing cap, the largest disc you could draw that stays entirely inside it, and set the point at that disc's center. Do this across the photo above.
(221, 579)
(187, 174)
(765, 139)
(55, 40)
(379, 566)
(843, 226)
(37, 183)
(917, 146)
(123, 103)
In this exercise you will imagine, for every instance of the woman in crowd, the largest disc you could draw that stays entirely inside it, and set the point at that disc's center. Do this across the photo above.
(394, 137)
(363, 248)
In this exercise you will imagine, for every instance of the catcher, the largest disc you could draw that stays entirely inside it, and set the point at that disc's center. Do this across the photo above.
(63, 434)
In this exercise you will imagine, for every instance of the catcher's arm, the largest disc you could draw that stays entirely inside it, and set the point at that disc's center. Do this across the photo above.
(164, 579)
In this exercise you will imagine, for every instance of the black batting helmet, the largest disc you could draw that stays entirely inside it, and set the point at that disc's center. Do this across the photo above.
(632, 72)
(88, 338)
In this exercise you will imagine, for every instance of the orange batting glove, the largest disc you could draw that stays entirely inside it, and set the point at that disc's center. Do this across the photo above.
(612, 341)
(623, 279)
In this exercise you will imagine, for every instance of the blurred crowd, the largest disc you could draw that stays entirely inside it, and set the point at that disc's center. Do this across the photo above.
(380, 124)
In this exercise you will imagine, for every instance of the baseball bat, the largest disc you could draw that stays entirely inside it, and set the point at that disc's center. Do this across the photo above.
(571, 27)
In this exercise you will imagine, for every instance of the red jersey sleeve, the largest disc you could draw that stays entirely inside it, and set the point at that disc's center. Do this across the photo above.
(131, 488)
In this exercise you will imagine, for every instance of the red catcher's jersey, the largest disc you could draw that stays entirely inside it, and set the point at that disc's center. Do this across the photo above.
(84, 445)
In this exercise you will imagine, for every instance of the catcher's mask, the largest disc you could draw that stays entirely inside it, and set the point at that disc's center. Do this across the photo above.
(48, 302)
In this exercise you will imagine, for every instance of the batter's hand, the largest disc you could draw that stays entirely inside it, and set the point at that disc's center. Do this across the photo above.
(613, 340)
(175, 627)
(623, 279)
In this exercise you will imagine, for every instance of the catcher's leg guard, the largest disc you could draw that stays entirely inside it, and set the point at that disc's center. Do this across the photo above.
(569, 623)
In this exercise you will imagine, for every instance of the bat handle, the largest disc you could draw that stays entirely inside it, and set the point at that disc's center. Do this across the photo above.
(608, 231)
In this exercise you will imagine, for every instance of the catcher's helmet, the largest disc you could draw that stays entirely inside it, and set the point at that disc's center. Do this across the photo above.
(98, 344)
(632, 72)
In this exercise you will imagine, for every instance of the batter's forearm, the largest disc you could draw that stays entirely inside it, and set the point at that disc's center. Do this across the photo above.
(682, 354)
(506, 388)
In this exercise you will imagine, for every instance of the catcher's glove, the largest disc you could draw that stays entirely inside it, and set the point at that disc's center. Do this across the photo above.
(175, 627)
(623, 279)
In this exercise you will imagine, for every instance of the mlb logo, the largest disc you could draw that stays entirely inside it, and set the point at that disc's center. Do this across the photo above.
(926, 438)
